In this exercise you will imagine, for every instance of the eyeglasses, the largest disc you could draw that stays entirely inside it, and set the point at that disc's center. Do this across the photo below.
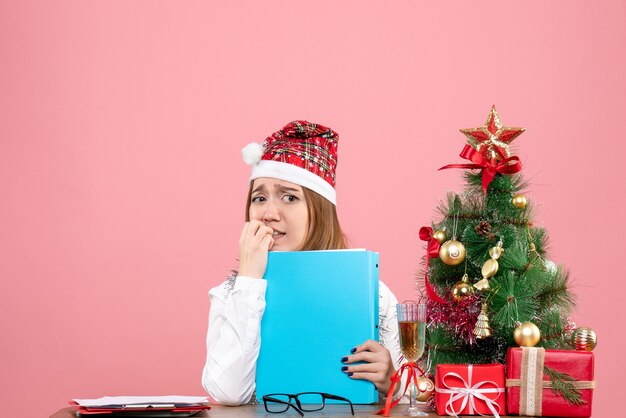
(276, 403)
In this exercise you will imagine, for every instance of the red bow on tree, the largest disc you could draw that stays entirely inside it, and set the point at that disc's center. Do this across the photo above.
(432, 250)
(490, 167)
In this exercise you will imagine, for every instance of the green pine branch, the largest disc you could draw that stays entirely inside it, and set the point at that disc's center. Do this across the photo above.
(553, 335)
(515, 255)
(501, 183)
(513, 299)
(562, 384)
(541, 240)
(556, 292)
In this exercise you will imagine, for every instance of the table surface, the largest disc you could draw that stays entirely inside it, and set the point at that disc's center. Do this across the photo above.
(255, 411)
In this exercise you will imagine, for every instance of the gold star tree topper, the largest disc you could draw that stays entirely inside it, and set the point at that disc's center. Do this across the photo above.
(492, 139)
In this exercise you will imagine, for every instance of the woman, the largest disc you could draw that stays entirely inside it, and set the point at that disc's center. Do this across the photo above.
(290, 207)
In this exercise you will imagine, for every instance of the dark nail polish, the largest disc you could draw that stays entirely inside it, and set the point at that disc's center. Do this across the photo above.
(344, 368)
(349, 373)
(344, 359)
(353, 350)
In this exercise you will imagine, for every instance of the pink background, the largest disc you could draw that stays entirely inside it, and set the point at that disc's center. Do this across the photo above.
(122, 187)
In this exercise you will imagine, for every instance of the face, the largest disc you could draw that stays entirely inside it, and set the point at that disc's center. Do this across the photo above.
(281, 206)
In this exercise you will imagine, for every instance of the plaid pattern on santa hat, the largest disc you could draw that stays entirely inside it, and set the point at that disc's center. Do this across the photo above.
(302, 152)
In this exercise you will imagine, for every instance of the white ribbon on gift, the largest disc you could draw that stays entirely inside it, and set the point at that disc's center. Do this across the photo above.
(469, 393)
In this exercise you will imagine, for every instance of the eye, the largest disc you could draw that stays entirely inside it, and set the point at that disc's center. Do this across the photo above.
(258, 199)
(289, 198)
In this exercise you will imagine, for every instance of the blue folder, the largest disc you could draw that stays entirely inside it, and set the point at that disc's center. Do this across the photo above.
(320, 305)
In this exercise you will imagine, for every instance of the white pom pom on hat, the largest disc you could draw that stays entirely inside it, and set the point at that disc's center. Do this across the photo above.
(252, 153)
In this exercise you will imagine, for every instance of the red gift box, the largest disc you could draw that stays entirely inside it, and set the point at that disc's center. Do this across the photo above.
(529, 390)
(470, 389)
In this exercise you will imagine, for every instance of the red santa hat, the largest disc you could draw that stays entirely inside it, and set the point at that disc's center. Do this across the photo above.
(302, 152)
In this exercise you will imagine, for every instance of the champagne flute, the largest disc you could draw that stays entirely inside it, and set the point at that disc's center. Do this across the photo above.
(412, 327)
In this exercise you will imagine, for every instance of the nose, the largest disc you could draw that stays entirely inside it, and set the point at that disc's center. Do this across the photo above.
(271, 211)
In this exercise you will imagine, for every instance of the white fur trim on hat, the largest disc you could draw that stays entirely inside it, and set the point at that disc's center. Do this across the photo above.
(252, 153)
(294, 174)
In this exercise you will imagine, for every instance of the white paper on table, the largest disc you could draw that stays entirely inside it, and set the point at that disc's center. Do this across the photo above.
(139, 400)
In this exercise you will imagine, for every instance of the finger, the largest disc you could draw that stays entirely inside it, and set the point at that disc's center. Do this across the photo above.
(369, 345)
(251, 234)
(365, 367)
(244, 231)
(257, 231)
(263, 231)
(367, 356)
(254, 227)
(372, 377)
(267, 242)
(248, 232)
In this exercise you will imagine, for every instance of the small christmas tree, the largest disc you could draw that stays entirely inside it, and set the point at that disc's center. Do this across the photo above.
(487, 233)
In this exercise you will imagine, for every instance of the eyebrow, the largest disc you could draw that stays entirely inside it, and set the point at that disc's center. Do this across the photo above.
(277, 186)
(286, 189)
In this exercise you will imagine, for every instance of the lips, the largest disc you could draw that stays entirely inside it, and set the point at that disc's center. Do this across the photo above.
(277, 234)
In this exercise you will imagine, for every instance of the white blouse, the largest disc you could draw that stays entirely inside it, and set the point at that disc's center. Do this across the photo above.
(234, 337)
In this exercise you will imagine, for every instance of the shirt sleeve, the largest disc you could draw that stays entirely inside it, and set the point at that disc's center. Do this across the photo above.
(388, 332)
(233, 340)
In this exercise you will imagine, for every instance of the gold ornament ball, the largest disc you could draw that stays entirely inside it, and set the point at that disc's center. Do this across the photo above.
(462, 289)
(519, 201)
(584, 339)
(527, 334)
(452, 252)
(440, 235)
(425, 389)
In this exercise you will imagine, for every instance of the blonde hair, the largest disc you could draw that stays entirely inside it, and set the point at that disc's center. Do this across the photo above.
(324, 231)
